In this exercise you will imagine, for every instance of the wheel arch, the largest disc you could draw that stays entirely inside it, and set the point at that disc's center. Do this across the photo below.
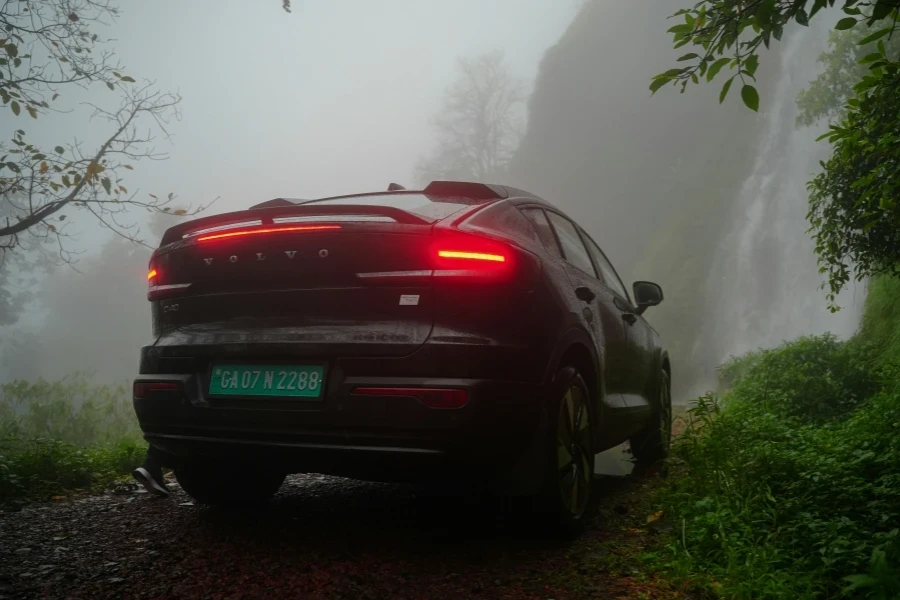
(576, 349)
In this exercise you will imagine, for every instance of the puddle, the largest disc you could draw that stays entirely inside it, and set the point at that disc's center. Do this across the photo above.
(615, 462)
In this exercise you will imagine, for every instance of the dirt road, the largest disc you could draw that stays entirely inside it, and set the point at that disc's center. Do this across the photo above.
(323, 538)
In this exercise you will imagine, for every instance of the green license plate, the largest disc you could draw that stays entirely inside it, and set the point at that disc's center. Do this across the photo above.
(304, 381)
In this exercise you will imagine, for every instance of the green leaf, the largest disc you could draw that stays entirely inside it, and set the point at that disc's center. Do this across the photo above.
(110, 85)
(31, 111)
(15, 108)
(752, 64)
(11, 49)
(724, 91)
(107, 185)
(658, 83)
(882, 9)
(128, 79)
(764, 12)
(802, 17)
(688, 56)
(680, 29)
(875, 36)
(846, 23)
(59, 149)
(817, 6)
(671, 73)
(716, 67)
(870, 58)
(750, 97)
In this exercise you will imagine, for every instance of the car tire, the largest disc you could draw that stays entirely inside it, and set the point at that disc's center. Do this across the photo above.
(652, 445)
(229, 488)
(569, 477)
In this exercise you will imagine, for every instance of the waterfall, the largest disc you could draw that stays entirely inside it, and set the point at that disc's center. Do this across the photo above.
(764, 286)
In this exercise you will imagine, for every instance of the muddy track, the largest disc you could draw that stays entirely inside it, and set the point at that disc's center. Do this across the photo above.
(323, 538)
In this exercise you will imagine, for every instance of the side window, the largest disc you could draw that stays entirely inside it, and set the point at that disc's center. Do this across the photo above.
(607, 272)
(542, 226)
(573, 248)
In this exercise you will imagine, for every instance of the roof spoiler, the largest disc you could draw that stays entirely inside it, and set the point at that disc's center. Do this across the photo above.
(273, 202)
(476, 191)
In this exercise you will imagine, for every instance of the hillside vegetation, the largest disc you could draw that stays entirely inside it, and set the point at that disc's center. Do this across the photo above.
(790, 483)
(59, 436)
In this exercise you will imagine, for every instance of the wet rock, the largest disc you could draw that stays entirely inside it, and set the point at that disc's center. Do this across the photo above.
(21, 551)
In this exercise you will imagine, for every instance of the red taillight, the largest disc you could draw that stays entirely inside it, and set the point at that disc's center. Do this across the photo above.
(245, 232)
(430, 397)
(142, 388)
(459, 253)
(465, 255)
(151, 275)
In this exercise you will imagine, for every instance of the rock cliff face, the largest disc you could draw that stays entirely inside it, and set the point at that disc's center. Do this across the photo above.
(651, 179)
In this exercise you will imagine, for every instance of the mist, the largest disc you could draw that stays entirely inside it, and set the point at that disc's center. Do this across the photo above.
(341, 97)
(334, 98)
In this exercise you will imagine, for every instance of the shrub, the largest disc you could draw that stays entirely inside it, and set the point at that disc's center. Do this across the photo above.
(40, 468)
(57, 436)
(792, 487)
(815, 378)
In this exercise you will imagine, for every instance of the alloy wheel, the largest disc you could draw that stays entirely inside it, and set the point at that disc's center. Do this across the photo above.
(573, 445)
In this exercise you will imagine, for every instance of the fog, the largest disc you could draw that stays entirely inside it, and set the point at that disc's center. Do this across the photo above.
(340, 97)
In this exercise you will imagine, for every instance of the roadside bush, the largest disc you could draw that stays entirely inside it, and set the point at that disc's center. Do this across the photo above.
(64, 435)
(792, 482)
(73, 410)
(40, 468)
(813, 378)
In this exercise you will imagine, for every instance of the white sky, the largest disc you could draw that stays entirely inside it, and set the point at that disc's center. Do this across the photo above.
(334, 98)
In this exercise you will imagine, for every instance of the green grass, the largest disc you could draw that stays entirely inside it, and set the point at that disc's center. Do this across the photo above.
(60, 436)
(789, 483)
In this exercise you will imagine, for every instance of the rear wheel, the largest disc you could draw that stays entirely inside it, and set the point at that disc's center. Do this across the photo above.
(568, 481)
(232, 487)
(652, 445)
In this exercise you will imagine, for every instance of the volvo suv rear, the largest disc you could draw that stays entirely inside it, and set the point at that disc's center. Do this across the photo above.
(399, 336)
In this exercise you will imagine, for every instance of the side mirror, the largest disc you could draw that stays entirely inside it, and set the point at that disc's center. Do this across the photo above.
(646, 294)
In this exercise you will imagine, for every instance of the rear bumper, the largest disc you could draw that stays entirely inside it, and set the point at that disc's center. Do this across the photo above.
(368, 437)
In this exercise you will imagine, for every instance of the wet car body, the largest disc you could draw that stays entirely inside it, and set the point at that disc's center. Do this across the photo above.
(439, 320)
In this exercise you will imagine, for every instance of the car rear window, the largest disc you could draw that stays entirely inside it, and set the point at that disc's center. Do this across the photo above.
(418, 204)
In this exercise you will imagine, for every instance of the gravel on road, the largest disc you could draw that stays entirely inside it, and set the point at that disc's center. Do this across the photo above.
(325, 538)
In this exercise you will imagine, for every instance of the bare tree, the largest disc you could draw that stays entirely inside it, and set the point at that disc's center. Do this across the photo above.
(480, 123)
(46, 48)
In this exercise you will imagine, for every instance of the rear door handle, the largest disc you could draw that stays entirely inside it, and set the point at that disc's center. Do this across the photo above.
(585, 294)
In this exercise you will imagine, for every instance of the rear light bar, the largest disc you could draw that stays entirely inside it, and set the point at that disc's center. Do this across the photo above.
(471, 255)
(246, 232)
(142, 388)
(430, 397)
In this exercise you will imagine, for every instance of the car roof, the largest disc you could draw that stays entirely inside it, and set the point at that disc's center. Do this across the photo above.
(458, 192)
